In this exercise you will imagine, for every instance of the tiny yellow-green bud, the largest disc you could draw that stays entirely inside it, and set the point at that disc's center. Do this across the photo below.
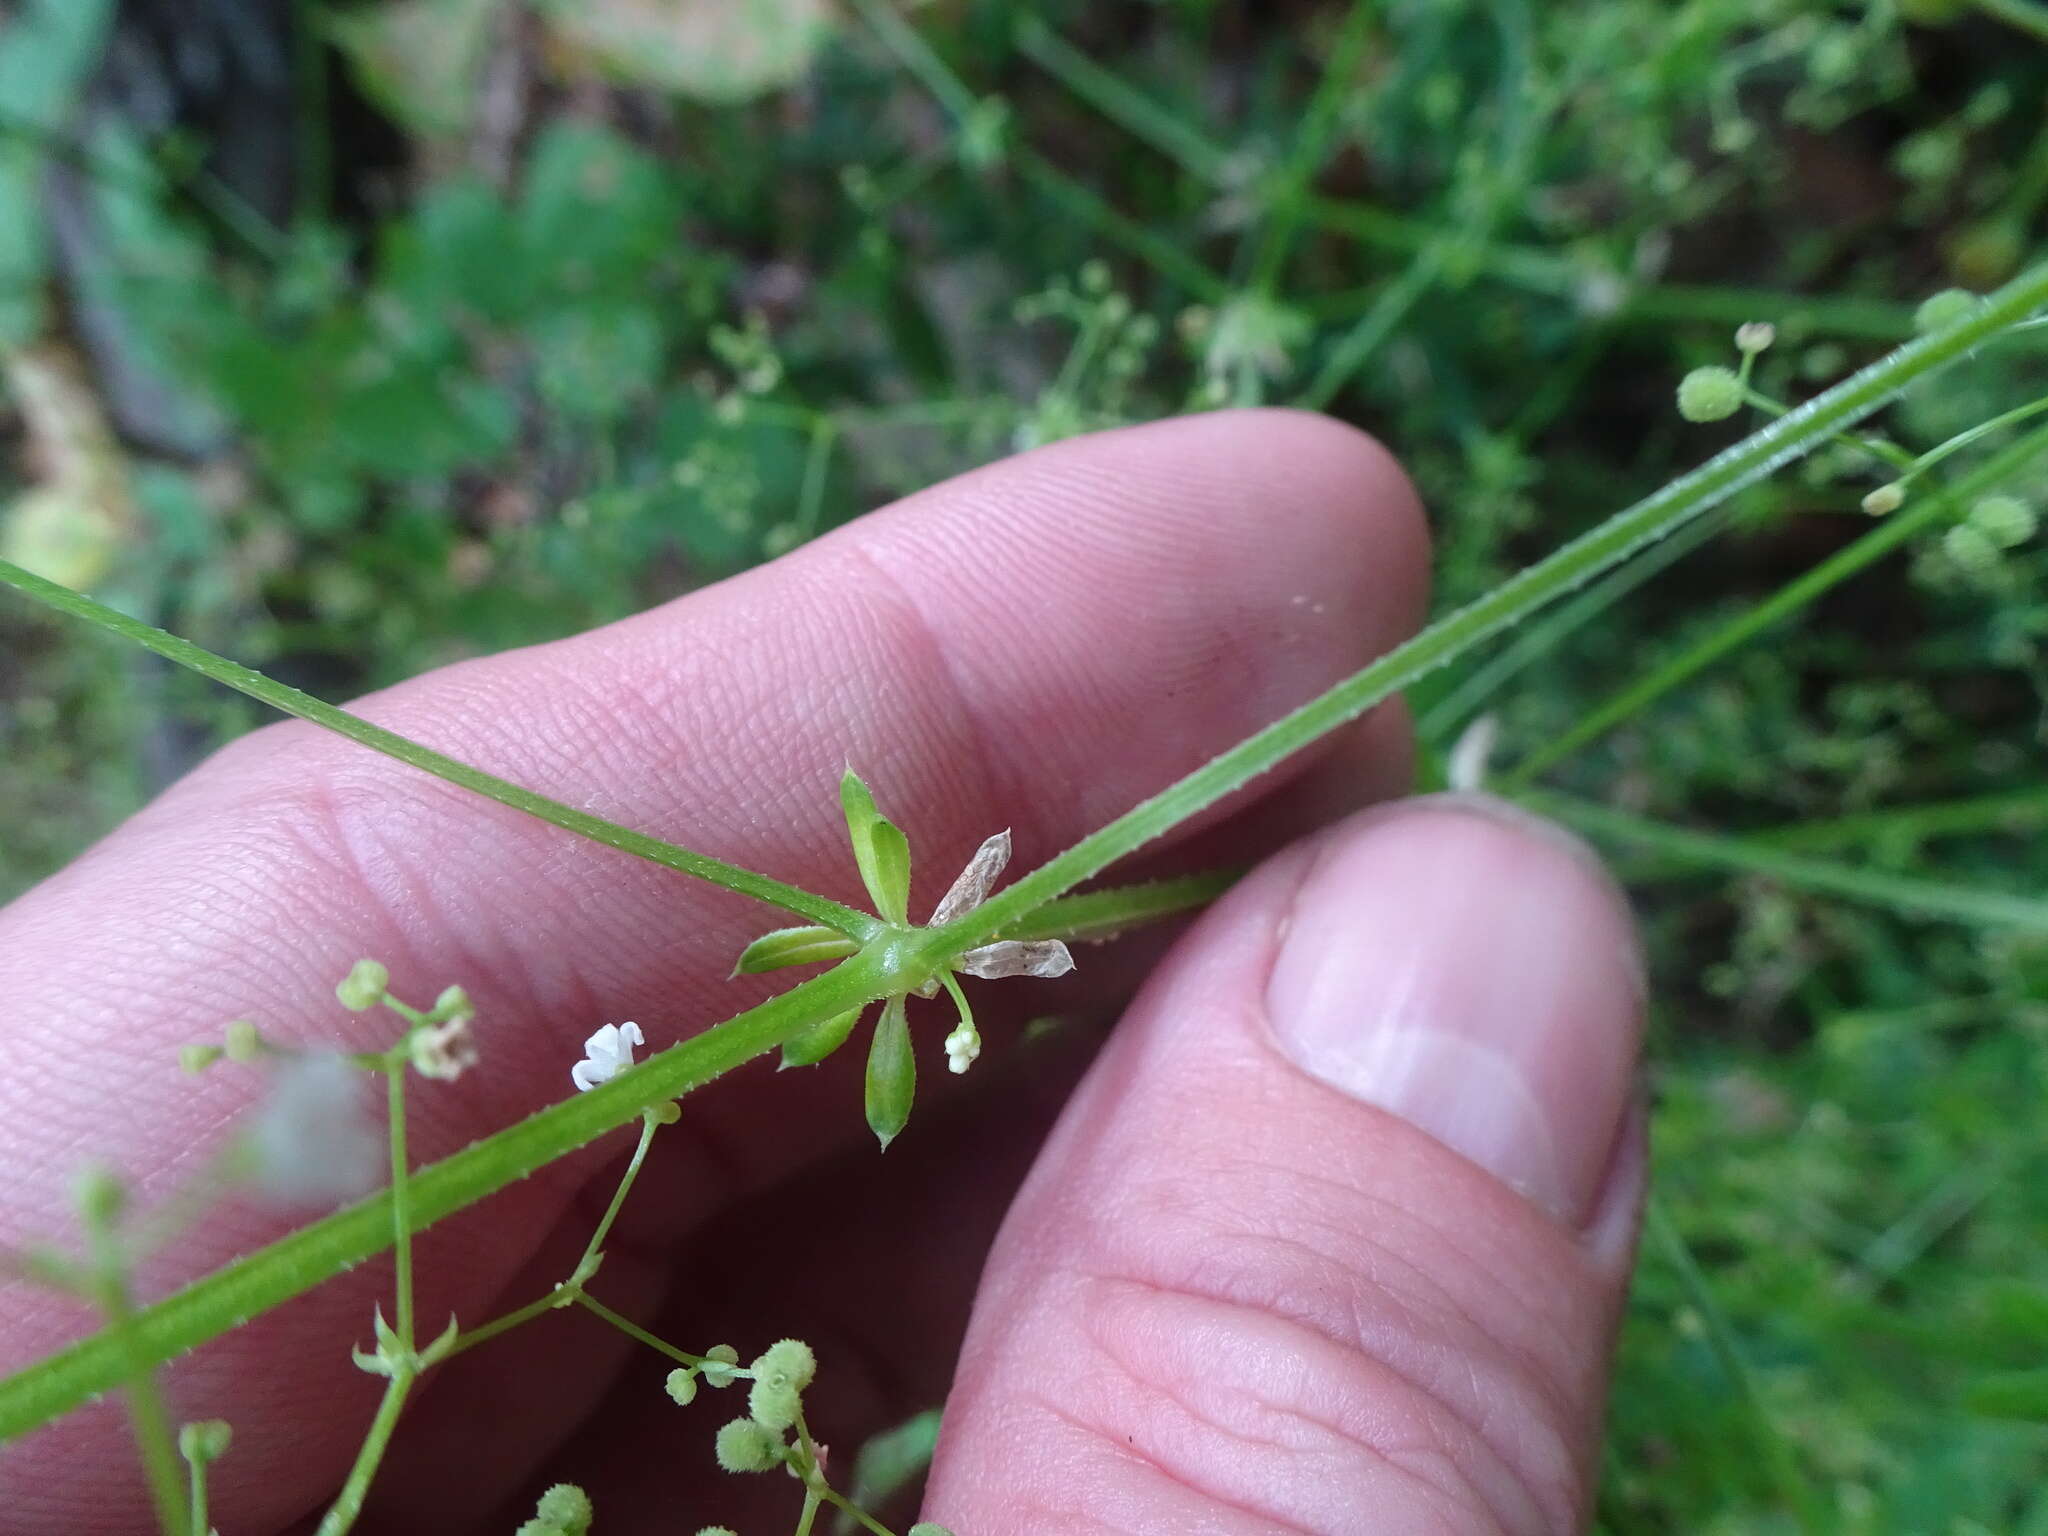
(1944, 309)
(773, 1404)
(1967, 545)
(452, 1003)
(1709, 394)
(1754, 337)
(197, 1058)
(789, 1361)
(2006, 521)
(243, 1043)
(100, 1196)
(929, 1528)
(667, 1112)
(364, 986)
(1886, 499)
(717, 1530)
(567, 1508)
(745, 1446)
(721, 1365)
(682, 1386)
(204, 1441)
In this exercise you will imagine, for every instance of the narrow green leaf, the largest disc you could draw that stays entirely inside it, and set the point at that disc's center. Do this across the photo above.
(892, 1074)
(793, 946)
(880, 849)
(820, 1040)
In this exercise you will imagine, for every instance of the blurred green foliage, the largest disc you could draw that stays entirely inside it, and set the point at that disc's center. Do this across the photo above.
(641, 340)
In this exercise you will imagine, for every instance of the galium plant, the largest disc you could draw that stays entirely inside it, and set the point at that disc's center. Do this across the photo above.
(312, 1133)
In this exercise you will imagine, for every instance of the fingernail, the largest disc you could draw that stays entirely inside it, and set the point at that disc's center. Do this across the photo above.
(1463, 965)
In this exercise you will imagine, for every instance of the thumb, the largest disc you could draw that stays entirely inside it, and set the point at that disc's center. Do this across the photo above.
(1336, 1234)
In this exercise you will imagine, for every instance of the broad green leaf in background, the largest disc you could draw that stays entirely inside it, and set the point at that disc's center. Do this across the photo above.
(888, 1463)
(715, 50)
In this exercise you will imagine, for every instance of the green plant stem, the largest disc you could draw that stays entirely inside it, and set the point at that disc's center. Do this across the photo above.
(1793, 1489)
(292, 701)
(1357, 345)
(1901, 893)
(401, 1208)
(593, 1249)
(197, 1521)
(809, 1516)
(1786, 601)
(2026, 15)
(1116, 99)
(1310, 148)
(846, 1506)
(347, 1507)
(147, 1415)
(302, 1259)
(2020, 810)
(1165, 257)
(1104, 914)
(1585, 558)
(633, 1330)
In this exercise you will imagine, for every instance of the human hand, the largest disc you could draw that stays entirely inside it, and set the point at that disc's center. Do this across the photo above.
(1332, 1238)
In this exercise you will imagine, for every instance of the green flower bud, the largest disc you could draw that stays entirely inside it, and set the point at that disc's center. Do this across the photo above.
(1885, 500)
(790, 1362)
(717, 1530)
(745, 1446)
(197, 1058)
(721, 1365)
(682, 1386)
(454, 1003)
(1944, 309)
(1709, 394)
(567, 1508)
(100, 1197)
(204, 1441)
(1967, 545)
(1754, 337)
(773, 1404)
(243, 1043)
(364, 986)
(2006, 521)
(929, 1528)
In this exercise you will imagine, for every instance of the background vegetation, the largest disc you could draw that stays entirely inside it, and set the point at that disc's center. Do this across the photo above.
(349, 341)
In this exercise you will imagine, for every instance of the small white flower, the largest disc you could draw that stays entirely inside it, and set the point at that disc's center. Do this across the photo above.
(606, 1054)
(1005, 957)
(963, 1049)
(444, 1051)
(310, 1140)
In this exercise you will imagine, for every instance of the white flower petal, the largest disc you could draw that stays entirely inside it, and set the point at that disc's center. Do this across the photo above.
(630, 1033)
(605, 1055)
(993, 962)
(976, 880)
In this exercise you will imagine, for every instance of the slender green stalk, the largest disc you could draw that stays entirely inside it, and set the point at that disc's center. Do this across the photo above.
(648, 1126)
(304, 1258)
(1656, 516)
(197, 1520)
(1107, 913)
(1787, 600)
(347, 1507)
(1357, 345)
(1901, 893)
(401, 1208)
(633, 1330)
(846, 1506)
(1539, 639)
(2020, 810)
(1310, 148)
(809, 1516)
(1794, 1491)
(1116, 99)
(292, 701)
(917, 55)
(147, 1415)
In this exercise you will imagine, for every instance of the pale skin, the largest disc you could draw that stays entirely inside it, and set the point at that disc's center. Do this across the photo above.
(1236, 1292)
